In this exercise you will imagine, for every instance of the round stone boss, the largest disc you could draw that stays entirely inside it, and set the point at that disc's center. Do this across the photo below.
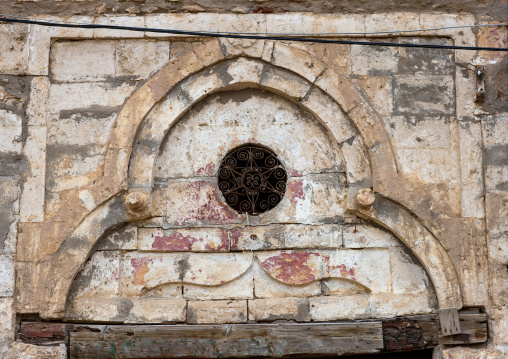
(252, 179)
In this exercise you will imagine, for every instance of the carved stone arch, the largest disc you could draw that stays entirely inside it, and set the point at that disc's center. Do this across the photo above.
(246, 73)
(100, 201)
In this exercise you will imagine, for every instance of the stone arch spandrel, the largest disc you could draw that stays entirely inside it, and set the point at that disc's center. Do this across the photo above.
(77, 249)
(422, 243)
(86, 200)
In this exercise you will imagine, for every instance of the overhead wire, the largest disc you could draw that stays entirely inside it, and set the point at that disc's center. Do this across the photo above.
(268, 36)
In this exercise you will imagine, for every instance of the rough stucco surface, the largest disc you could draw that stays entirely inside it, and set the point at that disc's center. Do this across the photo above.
(490, 9)
(190, 258)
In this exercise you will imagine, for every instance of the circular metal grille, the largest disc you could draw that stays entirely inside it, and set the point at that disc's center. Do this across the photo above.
(252, 179)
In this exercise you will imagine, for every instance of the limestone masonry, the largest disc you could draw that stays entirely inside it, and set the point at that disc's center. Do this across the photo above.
(396, 200)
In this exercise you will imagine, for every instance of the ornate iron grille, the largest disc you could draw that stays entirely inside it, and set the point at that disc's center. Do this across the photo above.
(252, 179)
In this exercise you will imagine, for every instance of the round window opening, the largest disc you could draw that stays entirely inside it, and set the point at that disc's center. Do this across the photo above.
(252, 179)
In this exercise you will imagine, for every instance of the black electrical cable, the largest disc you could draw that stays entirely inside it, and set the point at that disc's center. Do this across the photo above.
(253, 37)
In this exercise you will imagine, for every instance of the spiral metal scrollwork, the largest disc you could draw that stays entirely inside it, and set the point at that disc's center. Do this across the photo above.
(252, 179)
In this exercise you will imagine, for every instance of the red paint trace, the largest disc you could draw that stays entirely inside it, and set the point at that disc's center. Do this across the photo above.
(206, 205)
(293, 268)
(208, 170)
(176, 242)
(295, 191)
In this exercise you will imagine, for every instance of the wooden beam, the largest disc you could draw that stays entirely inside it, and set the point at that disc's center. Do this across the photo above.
(45, 333)
(224, 341)
(473, 330)
(247, 340)
(423, 331)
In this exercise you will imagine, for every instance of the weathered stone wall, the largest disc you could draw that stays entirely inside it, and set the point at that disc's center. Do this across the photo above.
(438, 155)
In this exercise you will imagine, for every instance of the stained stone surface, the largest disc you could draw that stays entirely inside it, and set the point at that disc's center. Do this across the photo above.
(88, 115)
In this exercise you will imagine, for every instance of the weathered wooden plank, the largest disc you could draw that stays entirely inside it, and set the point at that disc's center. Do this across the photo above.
(42, 333)
(449, 321)
(423, 331)
(410, 333)
(473, 330)
(225, 341)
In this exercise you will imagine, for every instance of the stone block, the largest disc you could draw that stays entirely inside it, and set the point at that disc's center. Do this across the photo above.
(267, 287)
(9, 209)
(10, 132)
(193, 22)
(177, 240)
(428, 94)
(140, 58)
(461, 36)
(240, 288)
(81, 127)
(492, 36)
(471, 158)
(180, 138)
(6, 276)
(357, 162)
(286, 236)
(470, 353)
(495, 130)
(13, 49)
(345, 307)
(22, 350)
(386, 21)
(336, 56)
(390, 305)
(69, 167)
(374, 60)
(209, 52)
(298, 61)
(312, 199)
(100, 276)
(311, 23)
(334, 286)
(252, 23)
(217, 312)
(365, 236)
(124, 310)
(330, 113)
(379, 90)
(292, 267)
(157, 310)
(464, 240)
(423, 62)
(77, 61)
(430, 166)
(131, 21)
(368, 267)
(170, 290)
(125, 238)
(197, 203)
(258, 237)
(40, 41)
(84, 96)
(285, 82)
(37, 108)
(145, 271)
(32, 197)
(408, 275)
(7, 323)
(417, 131)
(269, 310)
(216, 268)
(325, 236)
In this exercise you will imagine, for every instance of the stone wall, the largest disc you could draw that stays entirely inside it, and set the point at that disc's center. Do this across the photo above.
(87, 116)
